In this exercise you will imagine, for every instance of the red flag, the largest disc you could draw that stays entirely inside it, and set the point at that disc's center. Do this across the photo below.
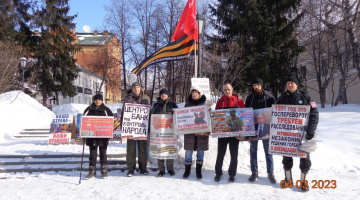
(187, 23)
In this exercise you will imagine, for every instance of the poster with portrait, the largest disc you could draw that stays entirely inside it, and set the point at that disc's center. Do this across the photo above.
(262, 119)
(288, 124)
(163, 141)
(60, 129)
(96, 127)
(232, 122)
(117, 127)
(78, 123)
(194, 119)
(204, 84)
(135, 121)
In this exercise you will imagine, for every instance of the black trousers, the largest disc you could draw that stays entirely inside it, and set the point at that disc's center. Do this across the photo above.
(305, 163)
(234, 148)
(93, 155)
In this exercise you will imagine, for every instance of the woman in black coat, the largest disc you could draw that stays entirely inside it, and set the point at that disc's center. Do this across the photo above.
(97, 108)
(195, 142)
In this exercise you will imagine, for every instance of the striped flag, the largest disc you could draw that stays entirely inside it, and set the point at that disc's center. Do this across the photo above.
(177, 50)
(183, 40)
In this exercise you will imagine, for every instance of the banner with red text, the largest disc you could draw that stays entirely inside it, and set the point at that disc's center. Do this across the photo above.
(60, 129)
(232, 122)
(163, 141)
(96, 127)
(192, 120)
(288, 124)
(135, 121)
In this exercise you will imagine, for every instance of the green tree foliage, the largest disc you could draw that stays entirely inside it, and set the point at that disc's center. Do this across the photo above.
(53, 48)
(265, 30)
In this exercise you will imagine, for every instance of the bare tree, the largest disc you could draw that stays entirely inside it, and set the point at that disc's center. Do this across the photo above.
(10, 74)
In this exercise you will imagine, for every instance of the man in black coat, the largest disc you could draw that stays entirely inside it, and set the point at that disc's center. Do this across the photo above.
(164, 106)
(97, 108)
(259, 99)
(294, 96)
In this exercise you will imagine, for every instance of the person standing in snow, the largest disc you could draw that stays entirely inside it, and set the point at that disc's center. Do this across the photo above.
(136, 95)
(97, 108)
(195, 142)
(228, 100)
(260, 98)
(164, 106)
(294, 96)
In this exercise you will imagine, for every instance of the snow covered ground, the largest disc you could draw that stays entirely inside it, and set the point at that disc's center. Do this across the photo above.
(337, 158)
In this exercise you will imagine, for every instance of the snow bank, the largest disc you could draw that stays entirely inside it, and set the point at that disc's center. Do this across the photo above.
(20, 111)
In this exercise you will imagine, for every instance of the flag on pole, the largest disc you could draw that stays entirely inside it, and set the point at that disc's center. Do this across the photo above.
(183, 40)
(187, 23)
(177, 50)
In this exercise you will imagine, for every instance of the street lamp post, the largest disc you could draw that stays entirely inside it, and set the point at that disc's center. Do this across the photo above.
(200, 21)
(23, 61)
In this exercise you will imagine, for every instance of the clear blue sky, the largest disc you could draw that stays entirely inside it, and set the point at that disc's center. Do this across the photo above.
(90, 12)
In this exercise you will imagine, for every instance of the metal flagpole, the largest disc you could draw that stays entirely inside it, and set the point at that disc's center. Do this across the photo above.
(196, 61)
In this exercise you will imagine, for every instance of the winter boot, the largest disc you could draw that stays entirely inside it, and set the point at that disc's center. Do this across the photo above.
(271, 178)
(303, 184)
(187, 169)
(199, 165)
(92, 172)
(217, 178)
(288, 177)
(104, 171)
(171, 172)
(161, 173)
(253, 177)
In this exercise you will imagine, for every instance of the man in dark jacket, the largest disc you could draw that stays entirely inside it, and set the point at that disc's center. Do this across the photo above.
(136, 96)
(260, 98)
(164, 106)
(229, 100)
(294, 96)
(97, 108)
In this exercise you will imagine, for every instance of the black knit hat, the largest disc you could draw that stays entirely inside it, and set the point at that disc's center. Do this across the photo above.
(98, 96)
(293, 79)
(164, 91)
(258, 81)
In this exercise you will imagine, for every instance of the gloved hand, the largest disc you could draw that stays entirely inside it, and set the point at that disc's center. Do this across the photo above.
(310, 135)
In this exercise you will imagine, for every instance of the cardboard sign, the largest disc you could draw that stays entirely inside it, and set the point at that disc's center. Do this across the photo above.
(135, 121)
(232, 122)
(288, 124)
(96, 127)
(60, 129)
(117, 127)
(194, 119)
(262, 119)
(204, 84)
(163, 141)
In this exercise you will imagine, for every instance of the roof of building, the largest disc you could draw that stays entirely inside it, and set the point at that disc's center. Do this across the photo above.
(91, 39)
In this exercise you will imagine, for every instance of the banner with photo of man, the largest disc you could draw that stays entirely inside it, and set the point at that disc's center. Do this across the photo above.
(117, 127)
(96, 127)
(194, 119)
(61, 128)
(262, 118)
(135, 121)
(288, 124)
(232, 122)
(163, 141)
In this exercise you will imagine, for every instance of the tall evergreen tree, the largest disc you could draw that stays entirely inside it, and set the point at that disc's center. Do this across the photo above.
(265, 29)
(55, 68)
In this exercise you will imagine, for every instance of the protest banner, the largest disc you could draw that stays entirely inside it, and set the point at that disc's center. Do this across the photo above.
(194, 119)
(288, 124)
(262, 119)
(117, 127)
(232, 122)
(163, 141)
(60, 129)
(204, 84)
(96, 127)
(135, 121)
